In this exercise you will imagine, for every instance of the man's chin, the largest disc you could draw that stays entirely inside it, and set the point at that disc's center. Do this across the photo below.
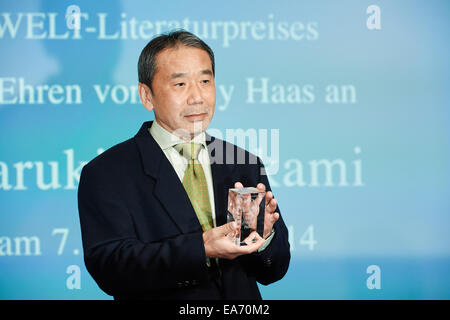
(198, 127)
(192, 129)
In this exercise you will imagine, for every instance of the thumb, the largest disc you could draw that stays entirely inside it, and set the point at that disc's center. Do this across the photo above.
(227, 228)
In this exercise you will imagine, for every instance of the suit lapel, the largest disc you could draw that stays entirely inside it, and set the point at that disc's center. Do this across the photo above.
(168, 188)
(170, 192)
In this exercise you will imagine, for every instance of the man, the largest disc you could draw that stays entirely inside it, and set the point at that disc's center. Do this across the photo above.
(153, 209)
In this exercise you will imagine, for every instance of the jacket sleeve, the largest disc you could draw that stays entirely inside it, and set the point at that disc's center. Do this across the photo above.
(120, 263)
(270, 264)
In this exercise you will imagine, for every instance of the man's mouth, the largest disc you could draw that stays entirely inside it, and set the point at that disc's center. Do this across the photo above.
(196, 117)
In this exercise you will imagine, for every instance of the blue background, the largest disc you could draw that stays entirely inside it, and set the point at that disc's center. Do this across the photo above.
(399, 122)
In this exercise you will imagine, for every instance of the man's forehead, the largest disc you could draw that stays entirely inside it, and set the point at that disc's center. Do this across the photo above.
(177, 60)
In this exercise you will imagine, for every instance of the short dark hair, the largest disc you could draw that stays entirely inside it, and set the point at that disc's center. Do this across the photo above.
(147, 59)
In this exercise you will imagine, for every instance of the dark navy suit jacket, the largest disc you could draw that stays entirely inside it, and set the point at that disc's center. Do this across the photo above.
(141, 236)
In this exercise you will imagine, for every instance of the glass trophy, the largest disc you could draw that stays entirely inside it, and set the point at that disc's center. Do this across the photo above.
(246, 206)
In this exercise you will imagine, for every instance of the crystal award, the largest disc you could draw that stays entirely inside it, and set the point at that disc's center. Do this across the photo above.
(246, 206)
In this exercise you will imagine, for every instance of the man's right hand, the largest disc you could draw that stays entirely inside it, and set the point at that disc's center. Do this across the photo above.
(219, 245)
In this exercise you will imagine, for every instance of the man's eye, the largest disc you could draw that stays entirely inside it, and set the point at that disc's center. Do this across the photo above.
(205, 81)
(179, 84)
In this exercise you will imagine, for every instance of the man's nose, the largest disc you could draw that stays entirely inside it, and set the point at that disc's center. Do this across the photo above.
(194, 95)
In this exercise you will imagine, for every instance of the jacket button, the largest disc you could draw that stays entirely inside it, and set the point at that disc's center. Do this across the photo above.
(187, 283)
(268, 262)
(179, 284)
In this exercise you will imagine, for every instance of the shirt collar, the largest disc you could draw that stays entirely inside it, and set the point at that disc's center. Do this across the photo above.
(166, 139)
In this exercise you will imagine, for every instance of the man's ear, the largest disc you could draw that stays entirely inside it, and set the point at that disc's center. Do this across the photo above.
(146, 96)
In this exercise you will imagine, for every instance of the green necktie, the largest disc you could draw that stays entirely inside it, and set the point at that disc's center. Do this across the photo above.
(194, 183)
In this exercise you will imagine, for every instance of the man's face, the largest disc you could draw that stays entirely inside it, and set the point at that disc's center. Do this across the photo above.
(184, 93)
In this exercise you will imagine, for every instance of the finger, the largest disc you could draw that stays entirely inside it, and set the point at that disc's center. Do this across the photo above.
(227, 228)
(254, 241)
(238, 185)
(261, 187)
(275, 217)
(272, 206)
(269, 196)
(252, 237)
(232, 235)
(272, 218)
(249, 247)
